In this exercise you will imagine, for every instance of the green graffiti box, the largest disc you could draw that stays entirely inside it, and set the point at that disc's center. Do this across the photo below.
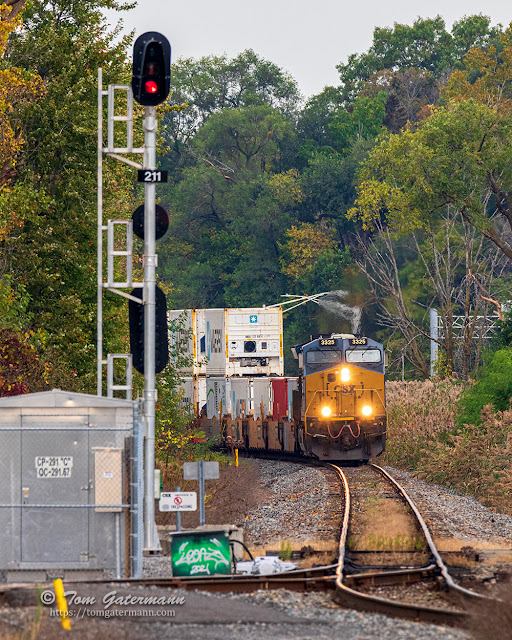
(201, 553)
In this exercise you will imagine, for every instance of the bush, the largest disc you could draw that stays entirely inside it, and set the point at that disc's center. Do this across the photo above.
(418, 413)
(494, 387)
(423, 437)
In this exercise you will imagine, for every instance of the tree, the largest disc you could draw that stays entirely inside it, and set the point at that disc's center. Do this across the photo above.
(457, 157)
(362, 120)
(53, 255)
(408, 92)
(485, 76)
(426, 46)
(230, 210)
(445, 267)
(215, 83)
(313, 124)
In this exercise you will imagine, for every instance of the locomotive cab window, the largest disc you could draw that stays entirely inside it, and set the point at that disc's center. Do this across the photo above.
(363, 355)
(315, 356)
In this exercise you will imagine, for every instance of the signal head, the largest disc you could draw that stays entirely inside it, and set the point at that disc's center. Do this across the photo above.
(151, 73)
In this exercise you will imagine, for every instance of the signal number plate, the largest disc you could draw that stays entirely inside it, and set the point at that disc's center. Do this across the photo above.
(149, 175)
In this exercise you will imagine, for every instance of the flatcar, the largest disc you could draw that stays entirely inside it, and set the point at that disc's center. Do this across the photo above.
(334, 411)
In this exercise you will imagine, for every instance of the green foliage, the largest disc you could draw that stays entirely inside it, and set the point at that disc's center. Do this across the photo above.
(215, 83)
(285, 551)
(493, 387)
(52, 257)
(426, 45)
(447, 160)
(364, 120)
(504, 336)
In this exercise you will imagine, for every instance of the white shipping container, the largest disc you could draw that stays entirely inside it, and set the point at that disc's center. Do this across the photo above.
(215, 342)
(194, 393)
(238, 397)
(254, 342)
(215, 397)
(188, 389)
(261, 395)
(189, 339)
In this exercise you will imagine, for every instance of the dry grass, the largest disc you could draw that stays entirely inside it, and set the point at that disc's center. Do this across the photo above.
(326, 551)
(454, 544)
(384, 526)
(228, 499)
(422, 438)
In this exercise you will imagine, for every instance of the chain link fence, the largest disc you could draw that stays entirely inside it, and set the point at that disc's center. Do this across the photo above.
(71, 496)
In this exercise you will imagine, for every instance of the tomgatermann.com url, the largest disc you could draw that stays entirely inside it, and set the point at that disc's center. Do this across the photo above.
(83, 612)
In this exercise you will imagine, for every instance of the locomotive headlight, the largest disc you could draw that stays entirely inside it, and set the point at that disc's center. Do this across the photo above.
(325, 411)
(345, 375)
(366, 410)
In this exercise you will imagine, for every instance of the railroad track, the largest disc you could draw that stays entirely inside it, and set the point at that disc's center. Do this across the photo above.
(350, 583)
(355, 589)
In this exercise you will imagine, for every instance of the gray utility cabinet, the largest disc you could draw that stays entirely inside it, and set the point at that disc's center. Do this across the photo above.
(63, 499)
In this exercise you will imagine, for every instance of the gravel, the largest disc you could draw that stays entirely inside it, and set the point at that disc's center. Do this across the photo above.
(460, 516)
(329, 621)
(299, 508)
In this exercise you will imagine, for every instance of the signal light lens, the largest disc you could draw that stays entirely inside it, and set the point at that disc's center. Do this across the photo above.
(325, 411)
(151, 86)
(367, 411)
(345, 375)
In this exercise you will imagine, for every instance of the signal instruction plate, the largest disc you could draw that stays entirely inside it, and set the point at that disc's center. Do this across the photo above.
(151, 175)
(54, 466)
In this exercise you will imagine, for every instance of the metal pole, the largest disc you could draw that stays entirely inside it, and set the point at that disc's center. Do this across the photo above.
(178, 515)
(138, 486)
(434, 335)
(117, 516)
(201, 494)
(150, 127)
(99, 269)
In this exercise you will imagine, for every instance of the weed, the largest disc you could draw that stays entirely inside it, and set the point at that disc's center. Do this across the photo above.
(422, 437)
(285, 552)
(371, 502)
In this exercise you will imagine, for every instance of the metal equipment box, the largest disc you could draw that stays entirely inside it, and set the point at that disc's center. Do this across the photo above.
(63, 481)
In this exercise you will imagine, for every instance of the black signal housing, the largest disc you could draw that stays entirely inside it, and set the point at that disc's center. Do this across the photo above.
(151, 71)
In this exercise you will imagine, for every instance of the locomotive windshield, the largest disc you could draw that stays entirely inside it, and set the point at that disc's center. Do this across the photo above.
(315, 356)
(363, 355)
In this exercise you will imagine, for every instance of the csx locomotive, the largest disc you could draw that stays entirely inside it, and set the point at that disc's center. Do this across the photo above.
(335, 410)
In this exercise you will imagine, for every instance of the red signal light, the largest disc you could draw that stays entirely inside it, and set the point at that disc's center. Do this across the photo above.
(151, 86)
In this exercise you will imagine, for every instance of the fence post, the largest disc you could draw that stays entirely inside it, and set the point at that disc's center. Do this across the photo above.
(137, 493)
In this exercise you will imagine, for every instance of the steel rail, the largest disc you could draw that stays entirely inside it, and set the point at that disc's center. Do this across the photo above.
(315, 579)
(350, 597)
(428, 537)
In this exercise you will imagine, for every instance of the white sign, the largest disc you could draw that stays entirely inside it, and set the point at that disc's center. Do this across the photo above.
(178, 501)
(54, 466)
